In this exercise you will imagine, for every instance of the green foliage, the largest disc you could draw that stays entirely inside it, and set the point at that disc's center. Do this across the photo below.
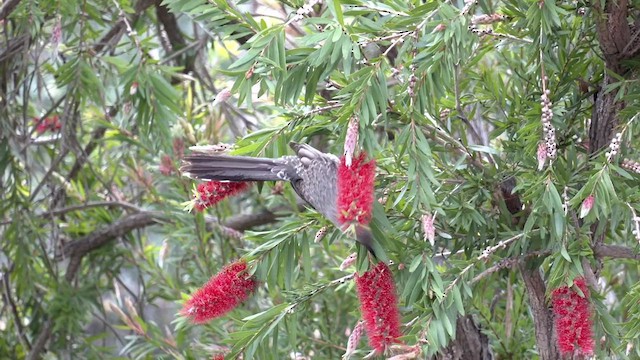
(449, 109)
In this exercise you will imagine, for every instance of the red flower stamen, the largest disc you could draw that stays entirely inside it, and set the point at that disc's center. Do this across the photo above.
(573, 319)
(212, 192)
(379, 306)
(355, 190)
(221, 294)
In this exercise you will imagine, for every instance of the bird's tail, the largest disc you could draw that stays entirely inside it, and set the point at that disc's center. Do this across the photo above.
(233, 168)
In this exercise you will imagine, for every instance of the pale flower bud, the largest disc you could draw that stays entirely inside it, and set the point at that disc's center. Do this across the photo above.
(428, 228)
(354, 339)
(348, 261)
(320, 234)
(134, 88)
(587, 204)
(164, 249)
(351, 140)
(542, 155)
(222, 97)
(56, 37)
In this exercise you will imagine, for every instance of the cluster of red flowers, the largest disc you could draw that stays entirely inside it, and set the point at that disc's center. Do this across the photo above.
(51, 123)
(379, 306)
(212, 192)
(221, 294)
(573, 319)
(355, 190)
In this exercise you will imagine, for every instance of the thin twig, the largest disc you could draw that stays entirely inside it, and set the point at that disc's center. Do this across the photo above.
(14, 311)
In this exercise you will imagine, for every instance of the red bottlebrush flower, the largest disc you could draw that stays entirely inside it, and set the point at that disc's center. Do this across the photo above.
(587, 204)
(166, 165)
(218, 357)
(41, 125)
(212, 192)
(221, 294)
(379, 306)
(355, 190)
(573, 319)
(51, 123)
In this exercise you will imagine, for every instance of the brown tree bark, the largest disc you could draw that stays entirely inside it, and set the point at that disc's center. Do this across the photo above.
(470, 343)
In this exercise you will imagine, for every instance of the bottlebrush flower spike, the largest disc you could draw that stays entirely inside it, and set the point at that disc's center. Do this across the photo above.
(51, 123)
(379, 306)
(573, 319)
(221, 294)
(212, 192)
(428, 228)
(355, 190)
(587, 204)
(351, 140)
(354, 340)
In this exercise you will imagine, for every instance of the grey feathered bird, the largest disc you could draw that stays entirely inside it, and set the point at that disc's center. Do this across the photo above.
(312, 173)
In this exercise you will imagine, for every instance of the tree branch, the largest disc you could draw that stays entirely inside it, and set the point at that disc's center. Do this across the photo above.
(101, 237)
(242, 222)
(508, 263)
(542, 316)
(615, 252)
(7, 8)
(14, 311)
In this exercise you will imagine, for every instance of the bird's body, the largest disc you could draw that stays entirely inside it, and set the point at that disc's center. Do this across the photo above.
(312, 173)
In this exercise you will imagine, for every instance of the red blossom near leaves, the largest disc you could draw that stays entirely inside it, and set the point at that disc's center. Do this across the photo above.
(573, 319)
(218, 357)
(379, 306)
(221, 294)
(50, 123)
(355, 190)
(212, 192)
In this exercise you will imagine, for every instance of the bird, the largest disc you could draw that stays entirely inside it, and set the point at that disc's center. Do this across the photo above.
(312, 173)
